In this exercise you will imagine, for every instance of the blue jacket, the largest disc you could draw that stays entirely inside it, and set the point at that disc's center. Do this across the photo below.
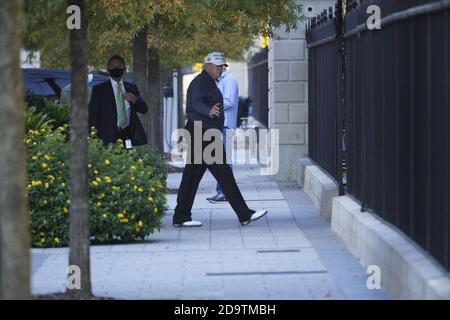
(202, 95)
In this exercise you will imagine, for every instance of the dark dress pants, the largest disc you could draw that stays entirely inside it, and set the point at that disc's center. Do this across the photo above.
(192, 175)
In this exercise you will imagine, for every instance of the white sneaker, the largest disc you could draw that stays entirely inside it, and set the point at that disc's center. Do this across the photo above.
(189, 224)
(257, 215)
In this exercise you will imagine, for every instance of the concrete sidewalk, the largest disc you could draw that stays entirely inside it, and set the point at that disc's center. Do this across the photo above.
(290, 254)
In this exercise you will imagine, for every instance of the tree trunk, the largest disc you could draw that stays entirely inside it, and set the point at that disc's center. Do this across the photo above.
(154, 101)
(181, 115)
(14, 232)
(79, 209)
(140, 48)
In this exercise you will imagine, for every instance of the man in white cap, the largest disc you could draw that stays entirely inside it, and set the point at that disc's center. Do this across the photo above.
(204, 107)
(230, 91)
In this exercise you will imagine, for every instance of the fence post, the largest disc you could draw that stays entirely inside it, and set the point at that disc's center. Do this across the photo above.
(340, 116)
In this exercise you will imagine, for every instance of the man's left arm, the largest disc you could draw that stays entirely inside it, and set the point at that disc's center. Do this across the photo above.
(229, 94)
(139, 105)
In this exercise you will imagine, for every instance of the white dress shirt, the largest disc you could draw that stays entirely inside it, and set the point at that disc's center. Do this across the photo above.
(230, 91)
(127, 104)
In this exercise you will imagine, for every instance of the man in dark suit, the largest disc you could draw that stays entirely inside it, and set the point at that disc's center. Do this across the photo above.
(114, 105)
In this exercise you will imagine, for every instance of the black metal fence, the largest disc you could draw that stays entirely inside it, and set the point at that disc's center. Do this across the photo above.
(396, 98)
(258, 77)
(323, 113)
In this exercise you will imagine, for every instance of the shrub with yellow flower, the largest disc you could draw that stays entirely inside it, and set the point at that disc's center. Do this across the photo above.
(119, 210)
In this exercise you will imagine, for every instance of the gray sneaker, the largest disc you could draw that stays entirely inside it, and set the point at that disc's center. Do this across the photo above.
(217, 198)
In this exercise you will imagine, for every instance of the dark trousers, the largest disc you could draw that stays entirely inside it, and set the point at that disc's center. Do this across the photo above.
(192, 175)
(218, 190)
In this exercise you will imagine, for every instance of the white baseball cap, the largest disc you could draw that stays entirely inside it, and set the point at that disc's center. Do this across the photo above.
(216, 58)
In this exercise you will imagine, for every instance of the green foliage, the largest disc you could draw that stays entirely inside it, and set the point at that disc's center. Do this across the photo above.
(183, 31)
(35, 120)
(59, 113)
(34, 100)
(126, 190)
(46, 114)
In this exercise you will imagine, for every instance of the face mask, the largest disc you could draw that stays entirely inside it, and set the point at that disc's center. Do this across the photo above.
(90, 77)
(116, 72)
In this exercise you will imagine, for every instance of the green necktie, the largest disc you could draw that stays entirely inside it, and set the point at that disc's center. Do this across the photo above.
(121, 110)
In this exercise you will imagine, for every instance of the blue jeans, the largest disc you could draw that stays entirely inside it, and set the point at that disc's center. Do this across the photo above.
(224, 134)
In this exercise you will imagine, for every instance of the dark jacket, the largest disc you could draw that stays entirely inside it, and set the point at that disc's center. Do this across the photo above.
(103, 113)
(202, 95)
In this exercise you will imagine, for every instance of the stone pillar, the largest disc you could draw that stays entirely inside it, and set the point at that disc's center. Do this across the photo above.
(288, 90)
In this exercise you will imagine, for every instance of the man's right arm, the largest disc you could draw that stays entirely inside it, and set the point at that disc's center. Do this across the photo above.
(94, 108)
(198, 97)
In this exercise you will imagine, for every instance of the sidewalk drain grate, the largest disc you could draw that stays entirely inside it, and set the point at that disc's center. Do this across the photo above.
(278, 251)
(264, 273)
(281, 199)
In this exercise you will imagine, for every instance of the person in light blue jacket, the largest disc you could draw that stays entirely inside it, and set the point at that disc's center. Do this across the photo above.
(229, 88)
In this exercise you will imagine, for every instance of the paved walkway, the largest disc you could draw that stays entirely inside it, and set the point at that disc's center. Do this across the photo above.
(290, 254)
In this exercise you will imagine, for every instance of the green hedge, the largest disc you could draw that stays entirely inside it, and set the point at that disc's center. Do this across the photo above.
(126, 189)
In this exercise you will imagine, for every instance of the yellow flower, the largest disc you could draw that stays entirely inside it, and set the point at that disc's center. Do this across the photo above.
(99, 204)
(89, 165)
(51, 177)
(45, 201)
(107, 162)
(46, 185)
(42, 234)
(36, 182)
(141, 161)
(68, 201)
(42, 240)
(47, 157)
(132, 178)
(56, 240)
(150, 199)
(28, 141)
(133, 168)
(140, 190)
(120, 216)
(98, 179)
(140, 223)
(61, 129)
(63, 184)
(104, 216)
(155, 210)
(66, 210)
(152, 189)
(124, 220)
(95, 171)
(95, 183)
(34, 157)
(44, 165)
(108, 179)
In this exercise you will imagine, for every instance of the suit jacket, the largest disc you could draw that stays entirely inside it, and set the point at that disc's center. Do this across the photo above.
(103, 114)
